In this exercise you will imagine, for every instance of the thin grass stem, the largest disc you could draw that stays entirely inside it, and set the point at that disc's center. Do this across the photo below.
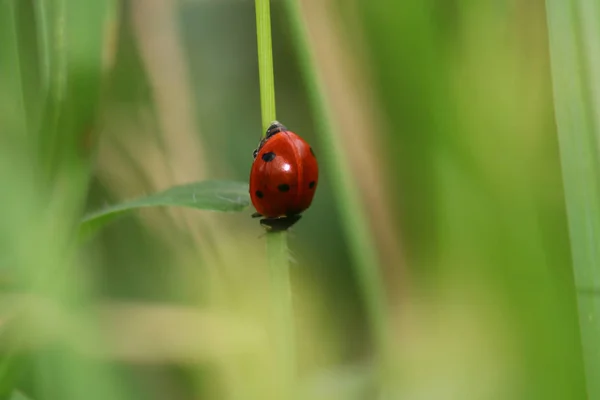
(277, 249)
(265, 63)
(278, 256)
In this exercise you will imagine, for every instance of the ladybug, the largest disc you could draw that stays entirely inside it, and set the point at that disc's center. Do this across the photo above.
(283, 178)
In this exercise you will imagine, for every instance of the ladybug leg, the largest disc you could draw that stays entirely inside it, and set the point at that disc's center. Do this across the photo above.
(261, 143)
(272, 225)
(256, 215)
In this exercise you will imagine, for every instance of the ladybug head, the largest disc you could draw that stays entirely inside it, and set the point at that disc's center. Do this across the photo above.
(274, 128)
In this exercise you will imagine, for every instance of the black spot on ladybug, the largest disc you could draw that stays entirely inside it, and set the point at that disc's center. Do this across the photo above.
(284, 187)
(270, 156)
(311, 184)
(312, 152)
(259, 194)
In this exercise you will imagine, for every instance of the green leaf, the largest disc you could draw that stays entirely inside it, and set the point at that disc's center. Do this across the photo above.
(214, 195)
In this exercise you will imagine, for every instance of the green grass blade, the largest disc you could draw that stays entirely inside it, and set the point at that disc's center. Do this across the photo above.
(224, 196)
(265, 63)
(45, 113)
(574, 41)
(12, 102)
(43, 33)
(279, 258)
(277, 249)
(354, 220)
(16, 137)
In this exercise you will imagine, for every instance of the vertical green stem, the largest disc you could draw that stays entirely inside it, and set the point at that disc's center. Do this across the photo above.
(574, 43)
(354, 220)
(277, 250)
(281, 298)
(265, 63)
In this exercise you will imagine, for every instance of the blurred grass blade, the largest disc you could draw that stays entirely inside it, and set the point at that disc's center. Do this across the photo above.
(55, 105)
(355, 224)
(574, 46)
(17, 80)
(12, 110)
(225, 196)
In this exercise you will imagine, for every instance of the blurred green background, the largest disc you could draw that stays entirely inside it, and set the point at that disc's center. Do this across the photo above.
(446, 115)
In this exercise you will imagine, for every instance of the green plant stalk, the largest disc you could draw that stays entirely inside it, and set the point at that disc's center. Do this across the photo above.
(574, 43)
(278, 257)
(277, 249)
(354, 220)
(265, 63)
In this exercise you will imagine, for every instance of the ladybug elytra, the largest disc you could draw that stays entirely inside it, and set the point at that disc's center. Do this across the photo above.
(283, 178)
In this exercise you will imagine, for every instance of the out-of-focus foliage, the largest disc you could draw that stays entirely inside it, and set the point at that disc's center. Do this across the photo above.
(446, 113)
(574, 43)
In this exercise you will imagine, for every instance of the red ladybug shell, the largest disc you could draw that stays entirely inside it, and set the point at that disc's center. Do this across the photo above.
(284, 175)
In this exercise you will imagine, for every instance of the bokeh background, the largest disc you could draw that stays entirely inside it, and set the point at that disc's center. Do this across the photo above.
(444, 109)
